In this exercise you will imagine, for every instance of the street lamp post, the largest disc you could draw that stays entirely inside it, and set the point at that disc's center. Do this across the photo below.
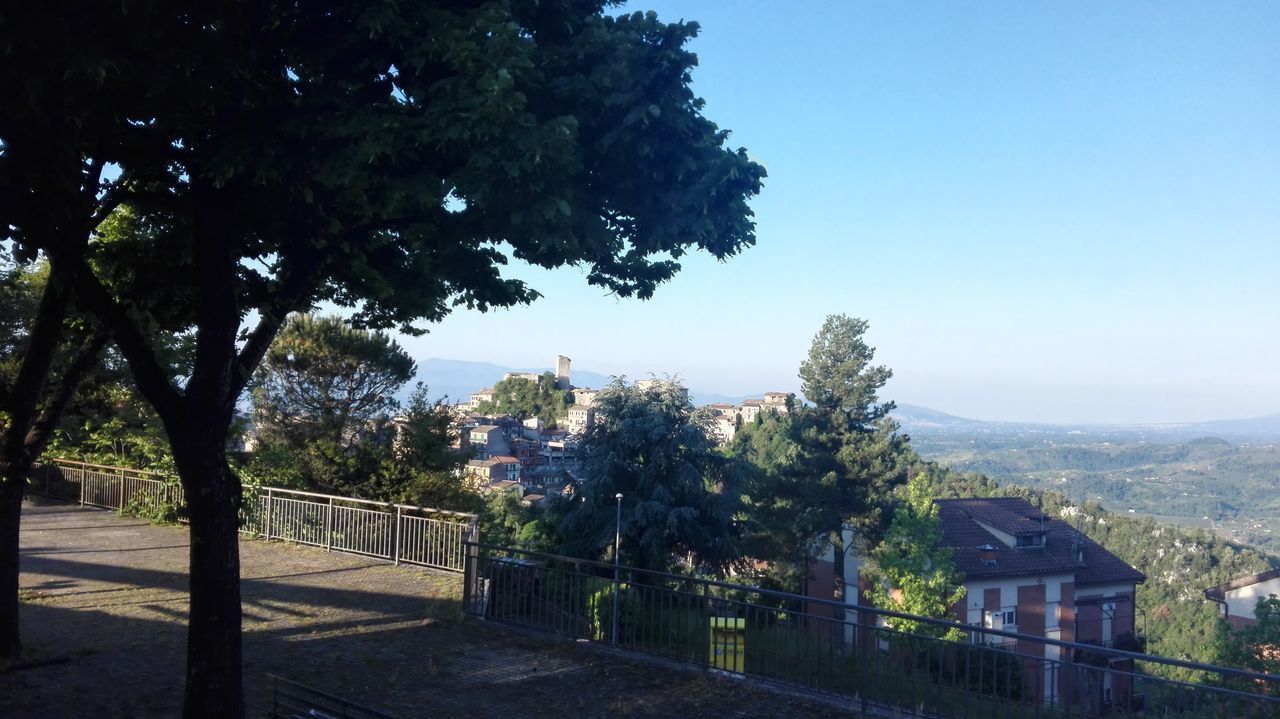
(617, 541)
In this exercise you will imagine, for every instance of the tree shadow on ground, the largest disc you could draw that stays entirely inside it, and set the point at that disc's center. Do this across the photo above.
(388, 637)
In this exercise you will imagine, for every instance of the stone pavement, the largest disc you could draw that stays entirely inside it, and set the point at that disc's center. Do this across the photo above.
(104, 605)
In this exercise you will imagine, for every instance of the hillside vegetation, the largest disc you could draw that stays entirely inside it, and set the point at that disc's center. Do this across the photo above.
(1180, 563)
(1232, 489)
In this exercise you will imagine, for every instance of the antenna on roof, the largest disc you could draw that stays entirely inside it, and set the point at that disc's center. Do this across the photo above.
(1077, 543)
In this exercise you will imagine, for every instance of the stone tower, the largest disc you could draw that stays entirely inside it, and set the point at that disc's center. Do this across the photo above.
(562, 372)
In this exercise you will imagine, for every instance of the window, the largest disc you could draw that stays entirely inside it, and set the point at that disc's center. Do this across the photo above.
(1051, 615)
(1000, 619)
(1031, 540)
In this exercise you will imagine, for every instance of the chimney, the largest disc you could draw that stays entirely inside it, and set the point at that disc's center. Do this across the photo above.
(987, 555)
(562, 372)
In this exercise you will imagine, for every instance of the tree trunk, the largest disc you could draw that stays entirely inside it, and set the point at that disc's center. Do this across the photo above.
(20, 405)
(10, 517)
(837, 573)
(214, 685)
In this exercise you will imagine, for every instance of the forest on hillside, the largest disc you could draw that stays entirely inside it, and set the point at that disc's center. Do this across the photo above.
(1230, 489)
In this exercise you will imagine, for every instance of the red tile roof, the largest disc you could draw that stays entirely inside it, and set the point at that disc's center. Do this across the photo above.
(1062, 552)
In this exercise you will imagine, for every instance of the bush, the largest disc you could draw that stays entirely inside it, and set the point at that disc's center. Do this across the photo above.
(153, 505)
(600, 611)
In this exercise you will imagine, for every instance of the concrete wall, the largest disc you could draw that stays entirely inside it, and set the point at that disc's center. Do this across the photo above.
(1240, 602)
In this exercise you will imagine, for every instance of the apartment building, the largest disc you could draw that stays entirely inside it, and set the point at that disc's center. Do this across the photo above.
(580, 417)
(485, 474)
(1030, 573)
(488, 440)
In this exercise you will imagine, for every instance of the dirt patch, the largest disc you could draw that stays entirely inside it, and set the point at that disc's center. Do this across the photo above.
(104, 620)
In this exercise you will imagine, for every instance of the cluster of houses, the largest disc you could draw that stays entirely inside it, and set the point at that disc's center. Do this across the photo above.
(726, 418)
(510, 454)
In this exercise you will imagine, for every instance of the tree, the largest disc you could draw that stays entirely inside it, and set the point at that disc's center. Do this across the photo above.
(678, 497)
(849, 445)
(74, 80)
(522, 399)
(425, 436)
(45, 354)
(324, 380)
(774, 515)
(388, 158)
(912, 572)
(1256, 647)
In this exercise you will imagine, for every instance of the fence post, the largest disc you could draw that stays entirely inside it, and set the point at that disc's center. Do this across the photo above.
(268, 513)
(82, 476)
(468, 575)
(328, 526)
(395, 538)
(121, 473)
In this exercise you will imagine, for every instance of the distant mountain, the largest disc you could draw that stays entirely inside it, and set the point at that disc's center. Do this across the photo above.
(455, 379)
(923, 421)
(914, 418)
(1266, 426)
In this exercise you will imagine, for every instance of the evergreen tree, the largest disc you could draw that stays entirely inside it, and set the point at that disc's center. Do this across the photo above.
(323, 380)
(850, 448)
(776, 518)
(678, 493)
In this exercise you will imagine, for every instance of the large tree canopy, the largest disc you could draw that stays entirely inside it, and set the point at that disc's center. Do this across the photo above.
(523, 398)
(678, 493)
(385, 157)
(325, 380)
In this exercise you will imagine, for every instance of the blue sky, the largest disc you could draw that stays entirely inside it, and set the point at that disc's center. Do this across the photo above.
(1050, 212)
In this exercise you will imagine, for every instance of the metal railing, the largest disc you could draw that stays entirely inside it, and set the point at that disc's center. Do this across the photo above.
(100, 485)
(400, 533)
(291, 700)
(845, 650)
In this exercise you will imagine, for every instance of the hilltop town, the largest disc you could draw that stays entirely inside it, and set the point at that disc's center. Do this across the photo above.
(538, 458)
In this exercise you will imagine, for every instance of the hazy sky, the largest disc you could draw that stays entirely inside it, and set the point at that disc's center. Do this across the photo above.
(1046, 211)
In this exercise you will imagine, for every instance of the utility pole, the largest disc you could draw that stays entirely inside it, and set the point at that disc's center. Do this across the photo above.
(617, 541)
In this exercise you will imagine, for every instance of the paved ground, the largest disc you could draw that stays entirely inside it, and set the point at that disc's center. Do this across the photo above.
(104, 602)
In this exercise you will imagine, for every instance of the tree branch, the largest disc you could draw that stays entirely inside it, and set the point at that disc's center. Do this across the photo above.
(110, 201)
(295, 287)
(93, 182)
(84, 361)
(36, 361)
(151, 376)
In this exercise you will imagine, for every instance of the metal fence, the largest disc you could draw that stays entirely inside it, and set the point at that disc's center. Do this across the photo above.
(859, 653)
(97, 485)
(395, 532)
(291, 700)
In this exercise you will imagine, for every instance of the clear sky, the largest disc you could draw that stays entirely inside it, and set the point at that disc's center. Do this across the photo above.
(1046, 211)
